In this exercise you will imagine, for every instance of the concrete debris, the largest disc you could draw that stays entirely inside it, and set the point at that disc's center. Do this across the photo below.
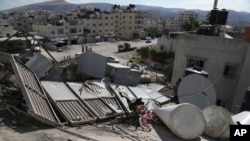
(40, 65)
(66, 95)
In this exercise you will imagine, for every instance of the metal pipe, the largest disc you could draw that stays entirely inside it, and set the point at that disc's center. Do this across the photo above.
(215, 4)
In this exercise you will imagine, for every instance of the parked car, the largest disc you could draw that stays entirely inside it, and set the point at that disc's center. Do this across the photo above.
(113, 59)
(148, 41)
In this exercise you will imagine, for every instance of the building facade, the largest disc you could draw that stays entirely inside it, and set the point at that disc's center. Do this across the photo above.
(5, 28)
(226, 61)
(61, 29)
(174, 23)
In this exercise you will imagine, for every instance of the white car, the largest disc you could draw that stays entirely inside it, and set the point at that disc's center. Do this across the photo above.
(113, 59)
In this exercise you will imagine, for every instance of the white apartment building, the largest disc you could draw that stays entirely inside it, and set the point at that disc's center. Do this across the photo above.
(21, 22)
(226, 61)
(61, 30)
(5, 28)
(102, 25)
(128, 23)
(174, 23)
(123, 23)
(184, 15)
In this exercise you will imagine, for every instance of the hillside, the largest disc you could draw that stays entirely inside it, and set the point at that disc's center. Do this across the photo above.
(61, 6)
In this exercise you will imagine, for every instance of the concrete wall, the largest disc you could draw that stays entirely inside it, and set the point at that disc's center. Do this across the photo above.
(166, 44)
(243, 84)
(216, 52)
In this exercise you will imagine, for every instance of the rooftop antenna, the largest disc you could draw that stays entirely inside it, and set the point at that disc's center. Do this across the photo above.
(215, 4)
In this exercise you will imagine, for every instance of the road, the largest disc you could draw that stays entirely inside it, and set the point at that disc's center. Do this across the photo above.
(103, 48)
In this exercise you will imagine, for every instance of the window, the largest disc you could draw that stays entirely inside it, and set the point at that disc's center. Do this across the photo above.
(60, 31)
(73, 30)
(195, 62)
(20, 44)
(221, 103)
(52, 32)
(230, 70)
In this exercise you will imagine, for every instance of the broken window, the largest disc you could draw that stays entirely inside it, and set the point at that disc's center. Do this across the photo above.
(230, 70)
(195, 62)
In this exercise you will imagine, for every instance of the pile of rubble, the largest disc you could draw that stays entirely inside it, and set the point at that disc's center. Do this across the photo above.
(90, 90)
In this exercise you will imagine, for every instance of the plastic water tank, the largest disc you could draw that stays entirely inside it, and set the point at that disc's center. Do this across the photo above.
(213, 16)
(218, 121)
(184, 120)
(222, 17)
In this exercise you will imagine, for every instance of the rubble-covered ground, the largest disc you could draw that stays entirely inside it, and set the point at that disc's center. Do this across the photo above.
(18, 127)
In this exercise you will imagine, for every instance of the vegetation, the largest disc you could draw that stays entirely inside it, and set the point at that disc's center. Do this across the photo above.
(167, 57)
(155, 32)
(190, 25)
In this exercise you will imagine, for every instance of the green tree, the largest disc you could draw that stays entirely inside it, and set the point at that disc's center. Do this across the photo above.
(190, 25)
(153, 32)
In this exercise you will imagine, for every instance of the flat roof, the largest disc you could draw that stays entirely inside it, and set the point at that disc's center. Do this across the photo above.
(21, 38)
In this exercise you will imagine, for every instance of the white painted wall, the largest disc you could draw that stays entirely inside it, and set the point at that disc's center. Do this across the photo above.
(217, 52)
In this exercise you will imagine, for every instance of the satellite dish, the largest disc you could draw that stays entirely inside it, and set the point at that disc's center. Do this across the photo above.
(197, 90)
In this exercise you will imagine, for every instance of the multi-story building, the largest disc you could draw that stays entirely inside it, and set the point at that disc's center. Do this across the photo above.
(174, 23)
(21, 22)
(61, 29)
(5, 28)
(128, 22)
(122, 23)
(225, 60)
(184, 15)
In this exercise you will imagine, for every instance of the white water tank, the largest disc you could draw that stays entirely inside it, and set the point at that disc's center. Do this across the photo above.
(218, 121)
(184, 120)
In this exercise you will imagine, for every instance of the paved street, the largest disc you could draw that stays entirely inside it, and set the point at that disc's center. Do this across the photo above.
(103, 48)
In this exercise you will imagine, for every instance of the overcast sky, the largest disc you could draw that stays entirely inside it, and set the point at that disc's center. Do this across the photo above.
(237, 5)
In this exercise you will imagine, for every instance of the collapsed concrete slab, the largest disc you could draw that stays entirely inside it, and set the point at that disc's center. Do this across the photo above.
(37, 102)
(92, 100)
(67, 103)
(40, 65)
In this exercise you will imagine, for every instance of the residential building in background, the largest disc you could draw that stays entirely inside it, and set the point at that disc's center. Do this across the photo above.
(174, 23)
(126, 23)
(6, 29)
(21, 21)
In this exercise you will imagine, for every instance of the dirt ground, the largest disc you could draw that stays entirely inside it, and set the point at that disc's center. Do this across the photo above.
(17, 127)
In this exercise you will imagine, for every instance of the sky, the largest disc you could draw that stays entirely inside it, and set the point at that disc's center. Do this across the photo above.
(237, 5)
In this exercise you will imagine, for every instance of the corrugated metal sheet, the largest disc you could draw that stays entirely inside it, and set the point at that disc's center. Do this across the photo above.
(100, 108)
(125, 92)
(94, 102)
(36, 100)
(68, 104)
(92, 64)
(154, 95)
(100, 89)
(40, 65)
(156, 87)
(138, 92)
